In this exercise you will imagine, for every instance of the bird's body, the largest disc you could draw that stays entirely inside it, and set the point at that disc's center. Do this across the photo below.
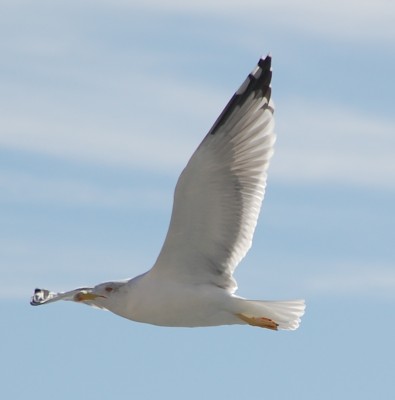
(167, 303)
(216, 206)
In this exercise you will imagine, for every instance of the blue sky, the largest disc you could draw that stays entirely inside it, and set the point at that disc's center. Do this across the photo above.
(102, 104)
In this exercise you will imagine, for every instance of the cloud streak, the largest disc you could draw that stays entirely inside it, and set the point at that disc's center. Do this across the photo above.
(113, 111)
(17, 188)
(351, 20)
(350, 280)
(324, 143)
(317, 143)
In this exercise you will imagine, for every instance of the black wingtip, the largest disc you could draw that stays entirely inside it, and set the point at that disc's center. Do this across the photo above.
(265, 63)
(256, 83)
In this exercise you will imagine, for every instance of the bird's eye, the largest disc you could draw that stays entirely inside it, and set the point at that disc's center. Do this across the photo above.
(109, 289)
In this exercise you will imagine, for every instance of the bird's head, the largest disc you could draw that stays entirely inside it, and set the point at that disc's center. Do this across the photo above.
(100, 295)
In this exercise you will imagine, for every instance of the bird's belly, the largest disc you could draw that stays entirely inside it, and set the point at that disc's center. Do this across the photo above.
(171, 304)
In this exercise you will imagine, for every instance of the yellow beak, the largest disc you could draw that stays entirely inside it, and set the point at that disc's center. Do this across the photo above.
(87, 296)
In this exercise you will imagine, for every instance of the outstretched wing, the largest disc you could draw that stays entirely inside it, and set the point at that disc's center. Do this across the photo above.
(219, 194)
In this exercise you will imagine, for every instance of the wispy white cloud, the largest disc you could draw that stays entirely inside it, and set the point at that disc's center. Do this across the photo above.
(327, 144)
(317, 142)
(363, 21)
(352, 20)
(17, 187)
(128, 117)
(154, 134)
(355, 280)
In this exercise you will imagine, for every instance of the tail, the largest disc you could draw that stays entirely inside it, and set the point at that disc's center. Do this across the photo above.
(273, 314)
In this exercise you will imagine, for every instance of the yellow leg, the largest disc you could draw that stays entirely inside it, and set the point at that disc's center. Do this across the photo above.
(261, 322)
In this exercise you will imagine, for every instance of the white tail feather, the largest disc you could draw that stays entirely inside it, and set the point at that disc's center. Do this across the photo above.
(286, 314)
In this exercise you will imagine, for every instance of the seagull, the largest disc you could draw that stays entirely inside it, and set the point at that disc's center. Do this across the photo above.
(217, 201)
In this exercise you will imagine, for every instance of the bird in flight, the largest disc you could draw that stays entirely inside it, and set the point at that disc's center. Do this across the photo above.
(217, 201)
